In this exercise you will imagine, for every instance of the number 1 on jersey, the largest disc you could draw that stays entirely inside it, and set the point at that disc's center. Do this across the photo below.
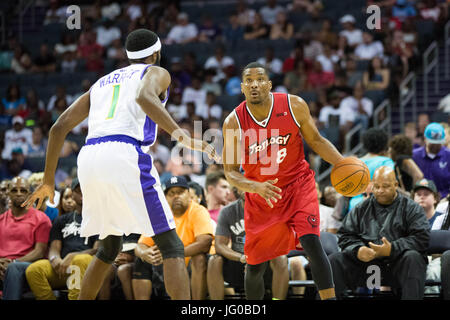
(115, 98)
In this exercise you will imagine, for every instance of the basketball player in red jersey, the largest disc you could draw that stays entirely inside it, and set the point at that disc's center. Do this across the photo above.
(264, 135)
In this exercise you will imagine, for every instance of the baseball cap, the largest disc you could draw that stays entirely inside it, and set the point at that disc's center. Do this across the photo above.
(17, 119)
(425, 183)
(347, 18)
(176, 181)
(17, 150)
(435, 133)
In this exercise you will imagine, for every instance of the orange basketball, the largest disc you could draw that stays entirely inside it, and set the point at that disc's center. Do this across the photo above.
(350, 177)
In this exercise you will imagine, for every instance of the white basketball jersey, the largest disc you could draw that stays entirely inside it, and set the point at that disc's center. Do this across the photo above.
(114, 110)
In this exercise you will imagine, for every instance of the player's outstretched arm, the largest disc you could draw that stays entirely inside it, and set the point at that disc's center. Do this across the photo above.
(324, 148)
(231, 156)
(69, 119)
(156, 81)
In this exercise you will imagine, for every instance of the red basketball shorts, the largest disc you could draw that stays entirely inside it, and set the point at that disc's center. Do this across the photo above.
(273, 232)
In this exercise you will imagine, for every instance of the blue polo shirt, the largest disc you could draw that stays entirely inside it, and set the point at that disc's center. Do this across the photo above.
(437, 169)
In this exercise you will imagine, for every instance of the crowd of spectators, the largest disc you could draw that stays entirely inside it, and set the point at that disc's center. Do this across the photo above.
(333, 65)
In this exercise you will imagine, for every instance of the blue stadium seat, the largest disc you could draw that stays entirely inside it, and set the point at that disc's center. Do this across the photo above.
(308, 96)
(229, 102)
(36, 164)
(32, 79)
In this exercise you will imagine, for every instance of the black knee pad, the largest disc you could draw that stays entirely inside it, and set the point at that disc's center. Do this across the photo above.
(109, 248)
(169, 244)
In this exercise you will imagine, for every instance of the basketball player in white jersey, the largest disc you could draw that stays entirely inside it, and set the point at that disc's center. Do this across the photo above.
(121, 188)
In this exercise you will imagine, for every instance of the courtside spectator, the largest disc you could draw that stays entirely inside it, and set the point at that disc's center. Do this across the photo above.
(427, 196)
(193, 226)
(434, 158)
(67, 249)
(407, 171)
(388, 230)
(24, 236)
(217, 190)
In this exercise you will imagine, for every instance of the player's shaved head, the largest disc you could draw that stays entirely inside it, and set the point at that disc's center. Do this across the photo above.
(384, 185)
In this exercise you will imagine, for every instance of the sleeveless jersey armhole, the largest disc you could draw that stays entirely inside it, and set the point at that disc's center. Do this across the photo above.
(239, 124)
(144, 71)
(292, 113)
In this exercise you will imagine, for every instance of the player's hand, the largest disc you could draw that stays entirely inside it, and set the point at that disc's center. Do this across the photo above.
(202, 146)
(366, 254)
(383, 250)
(268, 191)
(208, 149)
(42, 192)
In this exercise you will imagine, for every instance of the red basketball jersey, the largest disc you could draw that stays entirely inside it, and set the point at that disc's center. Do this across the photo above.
(272, 148)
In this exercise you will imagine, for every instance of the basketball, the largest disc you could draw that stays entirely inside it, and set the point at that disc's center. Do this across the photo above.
(350, 177)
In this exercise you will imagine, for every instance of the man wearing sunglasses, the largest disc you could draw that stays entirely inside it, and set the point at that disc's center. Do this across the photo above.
(24, 235)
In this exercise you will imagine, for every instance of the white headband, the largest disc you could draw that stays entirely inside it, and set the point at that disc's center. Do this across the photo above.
(145, 52)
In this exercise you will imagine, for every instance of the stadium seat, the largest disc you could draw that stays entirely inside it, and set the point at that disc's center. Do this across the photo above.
(308, 96)
(439, 242)
(377, 96)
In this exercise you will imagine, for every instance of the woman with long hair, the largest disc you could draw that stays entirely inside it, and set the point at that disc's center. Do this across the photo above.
(407, 171)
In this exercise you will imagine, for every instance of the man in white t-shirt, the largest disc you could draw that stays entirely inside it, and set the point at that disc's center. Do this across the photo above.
(219, 61)
(176, 108)
(269, 12)
(353, 35)
(369, 49)
(209, 109)
(183, 31)
(361, 106)
(345, 116)
(107, 33)
(17, 137)
(327, 59)
(194, 93)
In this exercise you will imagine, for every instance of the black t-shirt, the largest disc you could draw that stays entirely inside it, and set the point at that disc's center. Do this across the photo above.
(231, 224)
(406, 178)
(44, 61)
(67, 229)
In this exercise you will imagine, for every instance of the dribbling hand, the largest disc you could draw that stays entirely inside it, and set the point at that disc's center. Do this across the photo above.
(269, 191)
(42, 192)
